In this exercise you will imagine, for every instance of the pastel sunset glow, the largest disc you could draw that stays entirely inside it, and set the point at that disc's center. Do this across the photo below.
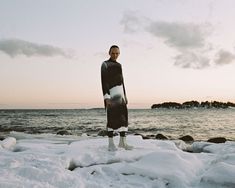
(51, 51)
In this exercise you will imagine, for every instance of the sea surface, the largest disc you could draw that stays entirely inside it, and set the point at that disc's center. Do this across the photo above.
(200, 123)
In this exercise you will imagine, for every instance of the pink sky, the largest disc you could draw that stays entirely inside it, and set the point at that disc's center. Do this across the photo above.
(170, 51)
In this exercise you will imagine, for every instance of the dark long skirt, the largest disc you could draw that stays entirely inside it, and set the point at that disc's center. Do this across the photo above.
(117, 116)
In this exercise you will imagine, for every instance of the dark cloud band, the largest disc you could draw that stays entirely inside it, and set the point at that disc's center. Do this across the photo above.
(15, 47)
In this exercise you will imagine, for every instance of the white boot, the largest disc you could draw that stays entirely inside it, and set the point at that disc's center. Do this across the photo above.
(111, 146)
(123, 144)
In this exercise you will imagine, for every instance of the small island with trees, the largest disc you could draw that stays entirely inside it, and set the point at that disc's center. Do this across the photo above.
(193, 104)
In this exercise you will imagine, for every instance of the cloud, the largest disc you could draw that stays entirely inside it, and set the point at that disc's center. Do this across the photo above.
(189, 39)
(180, 35)
(174, 34)
(224, 57)
(192, 60)
(132, 22)
(15, 47)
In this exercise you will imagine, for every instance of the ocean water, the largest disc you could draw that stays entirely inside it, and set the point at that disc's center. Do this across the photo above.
(201, 124)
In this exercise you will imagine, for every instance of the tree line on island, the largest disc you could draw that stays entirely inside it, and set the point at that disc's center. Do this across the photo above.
(193, 104)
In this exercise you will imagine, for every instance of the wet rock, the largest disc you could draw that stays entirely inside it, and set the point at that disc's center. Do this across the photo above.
(102, 133)
(161, 137)
(146, 137)
(187, 138)
(143, 136)
(151, 136)
(217, 140)
(137, 134)
(63, 132)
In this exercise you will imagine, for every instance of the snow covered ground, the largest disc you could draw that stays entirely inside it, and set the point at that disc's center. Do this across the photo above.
(51, 161)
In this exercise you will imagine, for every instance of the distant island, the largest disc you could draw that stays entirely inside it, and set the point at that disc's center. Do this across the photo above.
(193, 104)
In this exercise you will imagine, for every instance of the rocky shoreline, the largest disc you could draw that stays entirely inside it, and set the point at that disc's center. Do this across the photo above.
(193, 104)
(159, 136)
(186, 138)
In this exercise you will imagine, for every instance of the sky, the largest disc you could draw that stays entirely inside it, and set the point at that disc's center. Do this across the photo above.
(51, 51)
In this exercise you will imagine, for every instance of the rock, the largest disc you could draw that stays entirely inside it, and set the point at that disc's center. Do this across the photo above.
(63, 132)
(145, 137)
(217, 140)
(138, 134)
(102, 133)
(151, 136)
(161, 137)
(187, 138)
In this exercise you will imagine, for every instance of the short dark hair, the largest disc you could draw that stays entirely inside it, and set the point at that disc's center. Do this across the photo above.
(113, 46)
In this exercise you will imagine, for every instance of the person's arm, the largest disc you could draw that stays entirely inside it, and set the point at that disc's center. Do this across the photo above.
(124, 90)
(105, 86)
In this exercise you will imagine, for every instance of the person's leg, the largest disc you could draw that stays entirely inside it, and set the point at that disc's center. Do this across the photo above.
(111, 146)
(123, 143)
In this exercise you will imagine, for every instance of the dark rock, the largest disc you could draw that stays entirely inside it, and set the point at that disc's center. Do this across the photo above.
(145, 137)
(187, 138)
(161, 137)
(151, 135)
(102, 133)
(217, 140)
(138, 134)
(63, 132)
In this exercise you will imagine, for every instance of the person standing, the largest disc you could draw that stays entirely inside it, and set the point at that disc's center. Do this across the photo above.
(115, 100)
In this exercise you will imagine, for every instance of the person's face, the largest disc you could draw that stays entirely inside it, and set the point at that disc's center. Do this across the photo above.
(114, 53)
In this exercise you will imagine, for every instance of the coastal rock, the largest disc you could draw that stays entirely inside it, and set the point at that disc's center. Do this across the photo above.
(187, 138)
(161, 137)
(63, 132)
(102, 133)
(217, 140)
(143, 136)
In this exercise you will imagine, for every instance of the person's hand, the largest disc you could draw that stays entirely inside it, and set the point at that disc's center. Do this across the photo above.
(126, 100)
(108, 103)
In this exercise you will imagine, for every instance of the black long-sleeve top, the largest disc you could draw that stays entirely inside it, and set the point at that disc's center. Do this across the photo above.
(112, 80)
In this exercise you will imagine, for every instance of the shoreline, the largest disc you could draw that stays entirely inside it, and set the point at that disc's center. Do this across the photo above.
(159, 136)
